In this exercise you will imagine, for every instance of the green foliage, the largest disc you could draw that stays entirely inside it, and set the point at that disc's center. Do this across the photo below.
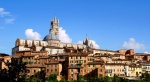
(107, 79)
(16, 71)
(40, 75)
(53, 78)
(116, 79)
(124, 80)
(100, 79)
(33, 80)
(93, 79)
(82, 78)
(146, 77)
(63, 80)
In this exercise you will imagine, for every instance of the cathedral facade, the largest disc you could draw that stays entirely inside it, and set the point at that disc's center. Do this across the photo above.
(50, 43)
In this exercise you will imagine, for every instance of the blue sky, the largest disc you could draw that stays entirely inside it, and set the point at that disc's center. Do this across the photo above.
(110, 24)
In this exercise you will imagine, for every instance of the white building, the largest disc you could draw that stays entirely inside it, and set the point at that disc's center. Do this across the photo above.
(50, 43)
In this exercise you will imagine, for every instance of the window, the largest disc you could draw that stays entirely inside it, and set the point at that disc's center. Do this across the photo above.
(27, 62)
(80, 57)
(55, 70)
(100, 70)
(84, 70)
(84, 65)
(76, 57)
(71, 57)
(47, 70)
(89, 65)
(34, 71)
(28, 71)
(84, 61)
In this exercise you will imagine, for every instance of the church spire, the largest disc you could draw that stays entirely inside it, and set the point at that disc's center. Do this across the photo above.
(54, 20)
(87, 41)
(54, 26)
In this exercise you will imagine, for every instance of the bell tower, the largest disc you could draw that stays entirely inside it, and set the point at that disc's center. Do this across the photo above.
(54, 26)
(87, 42)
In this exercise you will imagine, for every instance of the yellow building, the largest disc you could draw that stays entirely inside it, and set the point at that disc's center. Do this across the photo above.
(135, 70)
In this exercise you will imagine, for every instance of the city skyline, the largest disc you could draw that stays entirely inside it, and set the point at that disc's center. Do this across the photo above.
(111, 25)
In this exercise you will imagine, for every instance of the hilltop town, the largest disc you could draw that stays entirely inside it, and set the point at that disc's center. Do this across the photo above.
(69, 60)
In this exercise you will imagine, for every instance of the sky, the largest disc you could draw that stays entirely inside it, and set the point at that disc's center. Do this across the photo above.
(109, 24)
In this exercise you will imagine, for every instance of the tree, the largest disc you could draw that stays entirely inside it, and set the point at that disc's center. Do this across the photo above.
(63, 80)
(53, 78)
(100, 79)
(124, 80)
(82, 78)
(93, 79)
(33, 80)
(15, 71)
(40, 75)
(107, 79)
(146, 77)
(116, 78)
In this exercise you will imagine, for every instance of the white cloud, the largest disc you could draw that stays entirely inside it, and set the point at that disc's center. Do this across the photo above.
(95, 45)
(63, 36)
(9, 21)
(30, 34)
(3, 12)
(80, 42)
(146, 53)
(132, 44)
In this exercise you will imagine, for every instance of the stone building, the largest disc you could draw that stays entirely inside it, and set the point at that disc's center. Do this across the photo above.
(50, 43)
(69, 60)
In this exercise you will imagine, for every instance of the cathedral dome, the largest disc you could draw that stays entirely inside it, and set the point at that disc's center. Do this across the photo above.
(50, 37)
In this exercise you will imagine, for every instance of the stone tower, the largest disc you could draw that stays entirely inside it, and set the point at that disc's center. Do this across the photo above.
(88, 43)
(54, 27)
